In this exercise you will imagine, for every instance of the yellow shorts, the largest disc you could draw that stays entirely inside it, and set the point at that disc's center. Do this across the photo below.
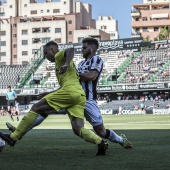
(72, 101)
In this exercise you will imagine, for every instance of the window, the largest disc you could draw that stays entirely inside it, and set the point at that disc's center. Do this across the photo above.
(2, 43)
(57, 40)
(15, 56)
(36, 40)
(24, 62)
(25, 5)
(70, 22)
(45, 40)
(65, 2)
(34, 51)
(137, 30)
(15, 45)
(2, 63)
(14, 25)
(36, 30)
(56, 10)
(48, 10)
(144, 19)
(41, 11)
(24, 52)
(10, 6)
(156, 29)
(24, 32)
(2, 33)
(57, 30)
(3, 54)
(103, 27)
(145, 29)
(14, 35)
(137, 19)
(70, 32)
(80, 39)
(24, 42)
(46, 29)
(34, 12)
(2, 14)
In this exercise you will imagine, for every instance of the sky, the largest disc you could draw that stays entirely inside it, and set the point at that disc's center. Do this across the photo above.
(119, 9)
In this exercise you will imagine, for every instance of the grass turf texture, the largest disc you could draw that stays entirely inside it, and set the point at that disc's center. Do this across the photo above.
(53, 146)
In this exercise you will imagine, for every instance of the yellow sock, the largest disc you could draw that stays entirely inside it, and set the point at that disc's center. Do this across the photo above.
(25, 123)
(90, 136)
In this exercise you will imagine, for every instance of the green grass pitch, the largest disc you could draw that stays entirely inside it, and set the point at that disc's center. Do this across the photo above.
(53, 146)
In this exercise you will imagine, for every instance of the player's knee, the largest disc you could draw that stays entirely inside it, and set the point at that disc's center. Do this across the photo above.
(101, 132)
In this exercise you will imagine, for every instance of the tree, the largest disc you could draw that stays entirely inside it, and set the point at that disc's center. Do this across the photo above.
(164, 33)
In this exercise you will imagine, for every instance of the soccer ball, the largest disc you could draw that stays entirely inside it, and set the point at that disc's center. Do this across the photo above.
(2, 144)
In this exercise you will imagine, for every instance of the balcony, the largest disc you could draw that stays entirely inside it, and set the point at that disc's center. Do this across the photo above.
(2, 14)
(150, 23)
(135, 34)
(135, 13)
(47, 30)
(36, 30)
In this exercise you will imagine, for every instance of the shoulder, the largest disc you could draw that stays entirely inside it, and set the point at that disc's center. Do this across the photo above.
(59, 55)
(97, 58)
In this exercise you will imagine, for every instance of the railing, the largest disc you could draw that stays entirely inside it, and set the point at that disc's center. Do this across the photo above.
(31, 67)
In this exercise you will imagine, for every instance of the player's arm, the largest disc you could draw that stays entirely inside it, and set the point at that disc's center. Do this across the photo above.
(69, 54)
(14, 93)
(6, 96)
(89, 76)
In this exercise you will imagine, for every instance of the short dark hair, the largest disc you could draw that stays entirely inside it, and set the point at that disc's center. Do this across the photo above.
(50, 43)
(9, 87)
(91, 41)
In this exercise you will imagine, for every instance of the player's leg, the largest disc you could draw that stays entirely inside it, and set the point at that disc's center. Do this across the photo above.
(88, 135)
(76, 115)
(93, 116)
(17, 114)
(40, 108)
(37, 122)
(27, 121)
(10, 110)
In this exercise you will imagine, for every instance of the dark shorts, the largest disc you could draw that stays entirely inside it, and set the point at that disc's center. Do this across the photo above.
(17, 113)
(11, 103)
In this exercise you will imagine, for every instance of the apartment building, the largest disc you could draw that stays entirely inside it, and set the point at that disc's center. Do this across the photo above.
(108, 24)
(149, 17)
(26, 25)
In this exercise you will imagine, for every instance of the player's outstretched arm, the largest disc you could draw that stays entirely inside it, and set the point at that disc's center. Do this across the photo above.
(69, 54)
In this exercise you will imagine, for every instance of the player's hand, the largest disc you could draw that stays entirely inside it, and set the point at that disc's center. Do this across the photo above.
(63, 69)
(41, 95)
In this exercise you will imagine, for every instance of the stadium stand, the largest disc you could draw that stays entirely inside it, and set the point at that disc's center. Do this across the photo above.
(146, 66)
(10, 75)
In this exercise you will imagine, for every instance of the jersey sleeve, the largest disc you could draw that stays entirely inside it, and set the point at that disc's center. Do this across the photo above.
(14, 93)
(96, 63)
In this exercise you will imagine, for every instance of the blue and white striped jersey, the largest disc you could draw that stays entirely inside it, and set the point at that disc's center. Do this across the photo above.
(90, 87)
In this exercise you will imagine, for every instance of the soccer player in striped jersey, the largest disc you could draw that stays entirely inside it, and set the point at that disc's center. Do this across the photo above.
(89, 71)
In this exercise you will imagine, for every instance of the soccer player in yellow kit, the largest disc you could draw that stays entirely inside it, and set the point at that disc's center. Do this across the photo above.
(70, 96)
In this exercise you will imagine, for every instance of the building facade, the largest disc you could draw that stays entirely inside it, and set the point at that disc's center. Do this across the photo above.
(26, 25)
(109, 25)
(149, 17)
